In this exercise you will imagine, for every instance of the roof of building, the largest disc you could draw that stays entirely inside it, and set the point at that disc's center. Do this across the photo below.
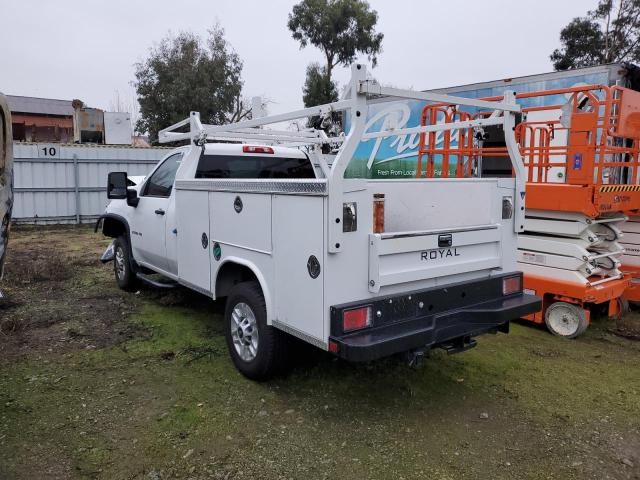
(43, 106)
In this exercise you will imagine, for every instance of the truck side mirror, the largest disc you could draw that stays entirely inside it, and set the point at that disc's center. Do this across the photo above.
(117, 185)
(132, 197)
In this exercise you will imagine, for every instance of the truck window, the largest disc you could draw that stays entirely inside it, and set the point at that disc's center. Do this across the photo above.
(161, 182)
(242, 166)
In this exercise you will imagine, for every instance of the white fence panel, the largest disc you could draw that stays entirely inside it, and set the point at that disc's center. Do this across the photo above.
(60, 183)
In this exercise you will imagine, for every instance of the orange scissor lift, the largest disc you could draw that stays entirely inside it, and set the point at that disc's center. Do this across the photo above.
(582, 161)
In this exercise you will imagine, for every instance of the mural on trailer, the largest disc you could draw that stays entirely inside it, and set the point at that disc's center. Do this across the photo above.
(396, 157)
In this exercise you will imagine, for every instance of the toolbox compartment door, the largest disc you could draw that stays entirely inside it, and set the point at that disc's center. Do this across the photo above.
(298, 239)
(193, 239)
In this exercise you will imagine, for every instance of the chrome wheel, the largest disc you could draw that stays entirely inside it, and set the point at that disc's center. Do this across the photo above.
(565, 320)
(244, 331)
(120, 263)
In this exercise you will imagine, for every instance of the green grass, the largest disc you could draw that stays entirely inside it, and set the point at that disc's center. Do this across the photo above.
(124, 411)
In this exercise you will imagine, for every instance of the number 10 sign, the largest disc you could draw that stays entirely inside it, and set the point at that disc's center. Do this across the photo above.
(48, 151)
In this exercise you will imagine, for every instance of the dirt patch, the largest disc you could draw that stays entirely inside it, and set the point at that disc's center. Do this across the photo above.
(179, 297)
(40, 266)
(60, 297)
(628, 326)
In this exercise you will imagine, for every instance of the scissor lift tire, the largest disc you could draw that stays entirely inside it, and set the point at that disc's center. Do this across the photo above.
(566, 320)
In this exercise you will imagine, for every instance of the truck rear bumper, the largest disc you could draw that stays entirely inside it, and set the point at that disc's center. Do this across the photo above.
(430, 318)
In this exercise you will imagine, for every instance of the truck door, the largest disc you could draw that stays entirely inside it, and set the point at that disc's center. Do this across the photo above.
(149, 220)
(171, 236)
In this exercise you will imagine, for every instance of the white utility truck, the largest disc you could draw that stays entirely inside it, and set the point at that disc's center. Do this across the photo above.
(266, 220)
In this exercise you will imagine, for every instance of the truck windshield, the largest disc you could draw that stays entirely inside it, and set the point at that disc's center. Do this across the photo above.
(254, 166)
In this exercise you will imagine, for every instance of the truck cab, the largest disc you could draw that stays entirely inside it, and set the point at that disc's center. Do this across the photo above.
(361, 268)
(148, 214)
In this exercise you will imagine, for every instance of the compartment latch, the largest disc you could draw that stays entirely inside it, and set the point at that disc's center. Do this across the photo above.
(445, 240)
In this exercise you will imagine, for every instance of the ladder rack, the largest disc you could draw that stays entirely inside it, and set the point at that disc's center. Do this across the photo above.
(360, 94)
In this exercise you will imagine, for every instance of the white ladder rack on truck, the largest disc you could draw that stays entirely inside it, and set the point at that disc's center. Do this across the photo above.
(359, 90)
(274, 227)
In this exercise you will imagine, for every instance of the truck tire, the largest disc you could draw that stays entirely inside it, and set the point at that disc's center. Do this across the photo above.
(258, 350)
(566, 320)
(125, 276)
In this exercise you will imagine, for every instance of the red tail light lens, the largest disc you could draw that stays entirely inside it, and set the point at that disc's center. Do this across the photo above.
(356, 318)
(256, 149)
(511, 285)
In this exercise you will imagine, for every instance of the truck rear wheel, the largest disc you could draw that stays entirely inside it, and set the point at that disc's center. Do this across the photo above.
(257, 349)
(566, 320)
(125, 276)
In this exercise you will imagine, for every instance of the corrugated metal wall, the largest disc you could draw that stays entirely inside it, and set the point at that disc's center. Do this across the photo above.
(58, 183)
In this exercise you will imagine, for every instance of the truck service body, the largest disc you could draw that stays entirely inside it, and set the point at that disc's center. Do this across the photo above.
(272, 225)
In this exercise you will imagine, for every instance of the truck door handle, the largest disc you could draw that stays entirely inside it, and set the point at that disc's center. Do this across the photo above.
(159, 211)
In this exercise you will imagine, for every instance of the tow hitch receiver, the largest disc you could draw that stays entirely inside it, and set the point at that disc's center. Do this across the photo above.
(459, 345)
(415, 357)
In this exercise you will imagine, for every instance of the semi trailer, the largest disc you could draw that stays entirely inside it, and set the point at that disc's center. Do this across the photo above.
(362, 268)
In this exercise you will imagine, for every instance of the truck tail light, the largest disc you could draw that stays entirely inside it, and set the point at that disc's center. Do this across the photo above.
(356, 318)
(511, 285)
(256, 149)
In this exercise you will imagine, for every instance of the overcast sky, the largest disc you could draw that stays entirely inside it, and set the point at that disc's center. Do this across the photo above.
(86, 49)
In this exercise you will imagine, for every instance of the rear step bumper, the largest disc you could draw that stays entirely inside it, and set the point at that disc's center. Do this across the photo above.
(448, 317)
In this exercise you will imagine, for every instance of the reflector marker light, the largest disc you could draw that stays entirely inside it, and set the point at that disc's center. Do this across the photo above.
(511, 285)
(356, 318)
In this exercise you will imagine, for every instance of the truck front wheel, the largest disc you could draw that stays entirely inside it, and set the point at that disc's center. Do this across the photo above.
(125, 276)
(257, 349)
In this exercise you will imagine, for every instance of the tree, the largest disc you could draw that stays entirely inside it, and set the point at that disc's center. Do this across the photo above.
(610, 33)
(318, 87)
(340, 28)
(182, 74)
